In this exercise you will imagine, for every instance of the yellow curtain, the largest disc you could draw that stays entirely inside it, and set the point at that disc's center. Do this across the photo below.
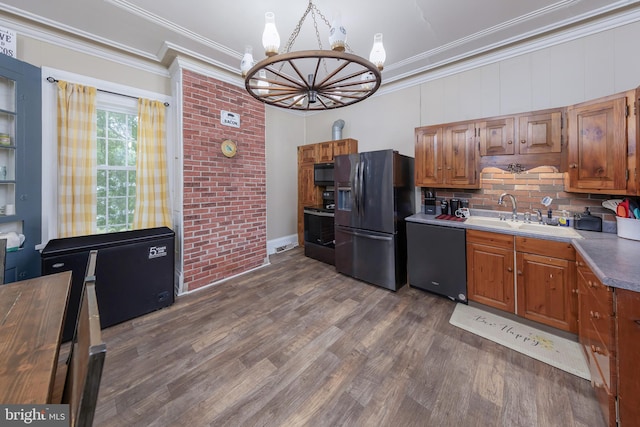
(152, 192)
(76, 159)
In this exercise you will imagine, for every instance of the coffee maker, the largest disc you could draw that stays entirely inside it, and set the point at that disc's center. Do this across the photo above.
(328, 200)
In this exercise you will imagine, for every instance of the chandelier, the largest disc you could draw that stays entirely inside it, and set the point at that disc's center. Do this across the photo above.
(312, 79)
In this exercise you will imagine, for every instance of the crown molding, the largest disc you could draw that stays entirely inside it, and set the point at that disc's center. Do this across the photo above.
(441, 69)
(151, 17)
(83, 47)
(510, 23)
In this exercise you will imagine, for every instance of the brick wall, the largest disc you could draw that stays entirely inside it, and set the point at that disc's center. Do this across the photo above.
(224, 198)
(528, 188)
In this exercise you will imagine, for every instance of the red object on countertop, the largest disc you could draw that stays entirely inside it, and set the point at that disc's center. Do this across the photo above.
(450, 218)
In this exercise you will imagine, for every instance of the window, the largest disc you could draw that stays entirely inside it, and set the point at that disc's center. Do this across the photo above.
(116, 158)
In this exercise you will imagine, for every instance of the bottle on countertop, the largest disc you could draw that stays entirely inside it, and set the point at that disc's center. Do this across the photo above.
(564, 220)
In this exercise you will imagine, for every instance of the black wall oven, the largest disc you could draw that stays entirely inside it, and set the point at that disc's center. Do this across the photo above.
(318, 226)
(319, 234)
(323, 174)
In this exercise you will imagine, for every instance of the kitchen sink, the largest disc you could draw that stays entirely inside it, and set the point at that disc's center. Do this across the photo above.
(541, 229)
(489, 222)
(550, 230)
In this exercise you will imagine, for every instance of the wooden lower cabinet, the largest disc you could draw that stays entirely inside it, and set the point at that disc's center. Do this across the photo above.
(490, 269)
(546, 284)
(628, 351)
(545, 280)
(597, 336)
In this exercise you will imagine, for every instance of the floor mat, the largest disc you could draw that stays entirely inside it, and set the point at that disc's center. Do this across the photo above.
(556, 351)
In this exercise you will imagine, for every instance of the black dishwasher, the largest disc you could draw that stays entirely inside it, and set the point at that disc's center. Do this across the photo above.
(436, 258)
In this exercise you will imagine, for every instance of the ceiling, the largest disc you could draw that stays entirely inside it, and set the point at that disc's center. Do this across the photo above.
(419, 35)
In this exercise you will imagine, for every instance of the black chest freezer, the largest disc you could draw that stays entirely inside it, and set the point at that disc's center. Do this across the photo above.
(134, 272)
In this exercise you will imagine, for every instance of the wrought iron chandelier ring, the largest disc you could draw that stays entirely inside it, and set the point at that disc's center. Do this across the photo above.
(280, 80)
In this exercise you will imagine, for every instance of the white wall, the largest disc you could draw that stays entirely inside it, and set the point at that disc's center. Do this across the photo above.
(120, 69)
(282, 167)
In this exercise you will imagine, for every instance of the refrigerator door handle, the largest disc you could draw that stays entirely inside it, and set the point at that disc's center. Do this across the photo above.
(356, 187)
(361, 180)
(365, 235)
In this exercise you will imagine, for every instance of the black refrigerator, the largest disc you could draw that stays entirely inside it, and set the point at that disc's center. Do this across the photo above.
(134, 272)
(374, 195)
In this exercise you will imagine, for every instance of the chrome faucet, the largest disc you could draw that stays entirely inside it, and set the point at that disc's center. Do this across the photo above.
(539, 216)
(514, 205)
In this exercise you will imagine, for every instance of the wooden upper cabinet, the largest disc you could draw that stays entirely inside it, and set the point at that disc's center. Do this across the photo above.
(497, 137)
(597, 146)
(308, 154)
(445, 156)
(540, 133)
(459, 156)
(344, 146)
(327, 151)
(529, 133)
(428, 157)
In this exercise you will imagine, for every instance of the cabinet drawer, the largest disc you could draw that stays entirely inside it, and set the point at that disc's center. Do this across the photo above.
(551, 248)
(601, 295)
(490, 239)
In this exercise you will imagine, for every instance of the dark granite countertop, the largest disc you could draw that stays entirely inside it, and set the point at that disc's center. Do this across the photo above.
(614, 260)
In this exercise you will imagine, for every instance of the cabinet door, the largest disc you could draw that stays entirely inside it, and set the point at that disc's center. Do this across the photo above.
(307, 154)
(546, 291)
(628, 312)
(325, 152)
(459, 156)
(597, 149)
(21, 164)
(429, 162)
(497, 137)
(540, 133)
(490, 274)
(344, 146)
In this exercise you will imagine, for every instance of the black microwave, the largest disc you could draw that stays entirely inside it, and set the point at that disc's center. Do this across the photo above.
(323, 174)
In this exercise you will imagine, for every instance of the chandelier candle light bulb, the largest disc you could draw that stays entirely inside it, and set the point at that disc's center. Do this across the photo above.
(378, 54)
(270, 36)
(263, 83)
(247, 60)
(337, 34)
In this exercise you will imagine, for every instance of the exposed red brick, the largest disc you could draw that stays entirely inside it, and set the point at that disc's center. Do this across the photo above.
(224, 198)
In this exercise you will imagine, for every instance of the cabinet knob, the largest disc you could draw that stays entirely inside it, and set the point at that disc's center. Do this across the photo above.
(594, 314)
(573, 166)
(590, 283)
(523, 141)
(509, 269)
(519, 273)
(509, 142)
(575, 291)
(596, 349)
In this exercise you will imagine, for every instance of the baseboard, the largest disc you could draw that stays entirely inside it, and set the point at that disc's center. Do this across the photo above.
(282, 244)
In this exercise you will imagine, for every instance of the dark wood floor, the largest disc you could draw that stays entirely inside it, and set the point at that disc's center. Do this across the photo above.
(296, 344)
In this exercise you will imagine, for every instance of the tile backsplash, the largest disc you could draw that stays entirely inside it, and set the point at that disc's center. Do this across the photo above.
(528, 188)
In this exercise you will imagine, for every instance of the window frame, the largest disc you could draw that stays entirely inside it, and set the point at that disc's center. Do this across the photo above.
(50, 138)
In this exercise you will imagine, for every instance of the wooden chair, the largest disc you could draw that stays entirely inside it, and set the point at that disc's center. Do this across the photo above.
(86, 356)
(3, 257)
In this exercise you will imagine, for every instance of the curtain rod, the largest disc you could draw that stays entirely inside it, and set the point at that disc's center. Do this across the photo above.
(54, 80)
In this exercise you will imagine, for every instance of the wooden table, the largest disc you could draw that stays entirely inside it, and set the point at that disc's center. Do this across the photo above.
(32, 315)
